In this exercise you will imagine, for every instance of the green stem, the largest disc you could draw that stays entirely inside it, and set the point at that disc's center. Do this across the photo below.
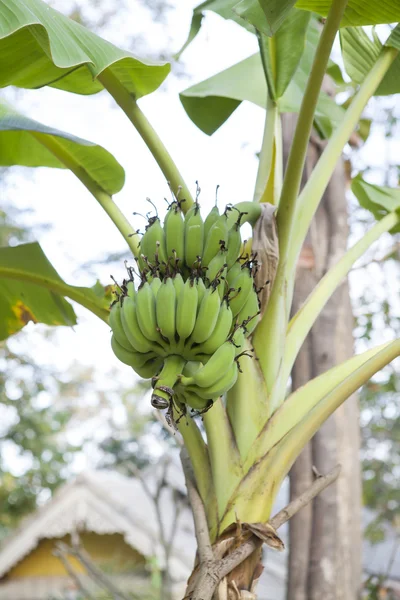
(79, 295)
(163, 389)
(269, 337)
(298, 150)
(199, 458)
(223, 452)
(312, 193)
(148, 134)
(278, 161)
(302, 322)
(102, 197)
(246, 404)
(266, 160)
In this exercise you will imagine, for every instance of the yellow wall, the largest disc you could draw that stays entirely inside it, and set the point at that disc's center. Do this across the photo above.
(108, 551)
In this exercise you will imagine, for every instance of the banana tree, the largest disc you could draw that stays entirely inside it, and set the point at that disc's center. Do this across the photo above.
(202, 312)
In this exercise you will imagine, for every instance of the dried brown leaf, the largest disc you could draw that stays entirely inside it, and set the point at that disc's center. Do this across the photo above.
(266, 533)
(265, 245)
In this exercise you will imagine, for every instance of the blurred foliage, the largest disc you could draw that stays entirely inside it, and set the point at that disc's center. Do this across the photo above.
(375, 589)
(381, 446)
(32, 459)
(377, 315)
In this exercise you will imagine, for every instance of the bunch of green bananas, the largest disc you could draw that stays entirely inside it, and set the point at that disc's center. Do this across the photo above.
(185, 324)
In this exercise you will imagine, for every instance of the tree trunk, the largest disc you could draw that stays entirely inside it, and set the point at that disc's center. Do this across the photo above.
(325, 536)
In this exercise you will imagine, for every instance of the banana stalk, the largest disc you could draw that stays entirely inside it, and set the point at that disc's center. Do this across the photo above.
(246, 404)
(223, 452)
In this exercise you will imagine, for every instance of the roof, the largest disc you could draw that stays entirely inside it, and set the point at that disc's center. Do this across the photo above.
(106, 502)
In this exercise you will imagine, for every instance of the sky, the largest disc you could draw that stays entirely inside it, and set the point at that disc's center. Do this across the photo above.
(80, 231)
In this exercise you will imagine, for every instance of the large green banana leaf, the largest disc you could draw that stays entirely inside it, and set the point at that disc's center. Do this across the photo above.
(267, 16)
(358, 12)
(19, 145)
(210, 103)
(39, 46)
(32, 290)
(274, 12)
(360, 53)
(282, 55)
(380, 200)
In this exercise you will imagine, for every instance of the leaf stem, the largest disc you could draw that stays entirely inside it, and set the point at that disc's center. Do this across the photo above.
(291, 445)
(267, 154)
(223, 452)
(302, 322)
(312, 192)
(298, 150)
(247, 404)
(59, 287)
(269, 337)
(300, 402)
(148, 134)
(298, 422)
(102, 197)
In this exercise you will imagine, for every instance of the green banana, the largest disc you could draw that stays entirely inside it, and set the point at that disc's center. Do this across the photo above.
(212, 216)
(174, 228)
(216, 390)
(155, 285)
(141, 363)
(195, 402)
(181, 318)
(222, 285)
(152, 244)
(151, 368)
(164, 387)
(190, 211)
(186, 310)
(166, 309)
(243, 285)
(146, 313)
(220, 332)
(238, 340)
(201, 290)
(115, 322)
(250, 312)
(216, 266)
(217, 236)
(191, 367)
(178, 284)
(234, 244)
(207, 316)
(133, 332)
(130, 289)
(233, 272)
(194, 237)
(215, 368)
